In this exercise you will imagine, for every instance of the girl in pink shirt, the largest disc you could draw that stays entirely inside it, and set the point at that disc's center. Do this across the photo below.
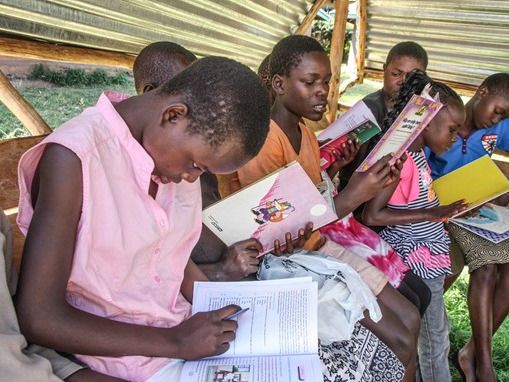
(110, 225)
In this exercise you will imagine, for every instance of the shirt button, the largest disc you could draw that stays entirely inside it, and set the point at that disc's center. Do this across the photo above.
(157, 251)
(157, 279)
(162, 223)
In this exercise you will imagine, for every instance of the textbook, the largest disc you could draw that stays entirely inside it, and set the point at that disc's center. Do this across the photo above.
(490, 222)
(284, 201)
(277, 336)
(477, 182)
(414, 117)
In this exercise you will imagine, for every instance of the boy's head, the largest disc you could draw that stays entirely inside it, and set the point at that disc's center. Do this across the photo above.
(158, 62)
(490, 104)
(214, 117)
(300, 74)
(264, 74)
(401, 60)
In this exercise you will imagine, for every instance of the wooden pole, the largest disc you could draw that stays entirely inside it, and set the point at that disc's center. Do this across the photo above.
(336, 55)
(21, 108)
(362, 27)
(308, 19)
(46, 51)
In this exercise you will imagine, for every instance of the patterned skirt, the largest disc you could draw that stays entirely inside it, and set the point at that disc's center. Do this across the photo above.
(363, 358)
(477, 250)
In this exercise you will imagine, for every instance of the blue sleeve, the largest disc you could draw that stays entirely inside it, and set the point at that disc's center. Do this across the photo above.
(503, 135)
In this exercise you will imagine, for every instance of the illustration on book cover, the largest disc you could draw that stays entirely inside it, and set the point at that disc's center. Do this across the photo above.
(273, 211)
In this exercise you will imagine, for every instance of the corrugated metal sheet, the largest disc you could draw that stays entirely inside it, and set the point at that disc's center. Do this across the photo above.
(243, 30)
(466, 40)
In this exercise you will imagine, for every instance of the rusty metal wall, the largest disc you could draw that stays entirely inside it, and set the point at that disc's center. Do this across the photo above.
(466, 40)
(245, 30)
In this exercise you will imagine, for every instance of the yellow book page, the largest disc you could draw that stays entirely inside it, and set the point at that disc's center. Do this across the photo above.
(477, 182)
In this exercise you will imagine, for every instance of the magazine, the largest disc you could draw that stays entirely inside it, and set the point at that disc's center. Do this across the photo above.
(348, 121)
(276, 338)
(477, 182)
(362, 133)
(284, 201)
(414, 117)
(488, 235)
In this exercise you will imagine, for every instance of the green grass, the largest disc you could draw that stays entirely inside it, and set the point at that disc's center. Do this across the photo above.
(457, 310)
(55, 105)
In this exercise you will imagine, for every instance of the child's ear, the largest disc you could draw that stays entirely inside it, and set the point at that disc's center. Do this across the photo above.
(482, 91)
(174, 112)
(147, 88)
(278, 84)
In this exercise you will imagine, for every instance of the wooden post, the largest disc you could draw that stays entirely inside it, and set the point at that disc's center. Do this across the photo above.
(336, 55)
(308, 19)
(21, 108)
(46, 51)
(362, 27)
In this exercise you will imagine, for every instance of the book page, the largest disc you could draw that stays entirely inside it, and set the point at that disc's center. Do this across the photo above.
(282, 315)
(489, 217)
(306, 368)
(348, 121)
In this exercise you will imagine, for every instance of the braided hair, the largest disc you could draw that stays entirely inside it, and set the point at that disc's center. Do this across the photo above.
(415, 83)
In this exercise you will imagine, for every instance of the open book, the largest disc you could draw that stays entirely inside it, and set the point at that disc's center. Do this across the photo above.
(414, 117)
(276, 339)
(490, 222)
(358, 123)
(477, 182)
(284, 201)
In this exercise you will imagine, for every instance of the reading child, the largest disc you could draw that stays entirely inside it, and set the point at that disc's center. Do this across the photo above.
(300, 71)
(486, 128)
(402, 58)
(155, 64)
(110, 225)
(414, 218)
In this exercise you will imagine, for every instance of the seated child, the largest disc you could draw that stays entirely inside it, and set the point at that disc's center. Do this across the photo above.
(154, 65)
(111, 208)
(18, 360)
(300, 71)
(402, 58)
(415, 229)
(486, 128)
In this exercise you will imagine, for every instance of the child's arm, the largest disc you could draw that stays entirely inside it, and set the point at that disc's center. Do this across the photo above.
(376, 212)
(238, 261)
(44, 315)
(192, 273)
(363, 186)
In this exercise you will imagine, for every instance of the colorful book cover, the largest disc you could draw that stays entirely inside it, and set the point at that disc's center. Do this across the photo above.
(363, 133)
(477, 183)
(284, 201)
(489, 217)
(414, 117)
(348, 121)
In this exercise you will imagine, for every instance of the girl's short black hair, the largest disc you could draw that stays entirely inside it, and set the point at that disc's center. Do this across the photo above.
(226, 101)
(408, 49)
(497, 84)
(287, 53)
(158, 62)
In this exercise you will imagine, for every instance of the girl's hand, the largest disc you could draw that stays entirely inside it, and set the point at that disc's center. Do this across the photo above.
(348, 152)
(295, 244)
(206, 334)
(443, 213)
(242, 259)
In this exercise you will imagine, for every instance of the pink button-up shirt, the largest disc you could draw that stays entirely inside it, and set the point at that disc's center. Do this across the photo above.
(131, 250)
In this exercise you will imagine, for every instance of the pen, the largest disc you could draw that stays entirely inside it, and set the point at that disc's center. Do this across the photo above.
(236, 314)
